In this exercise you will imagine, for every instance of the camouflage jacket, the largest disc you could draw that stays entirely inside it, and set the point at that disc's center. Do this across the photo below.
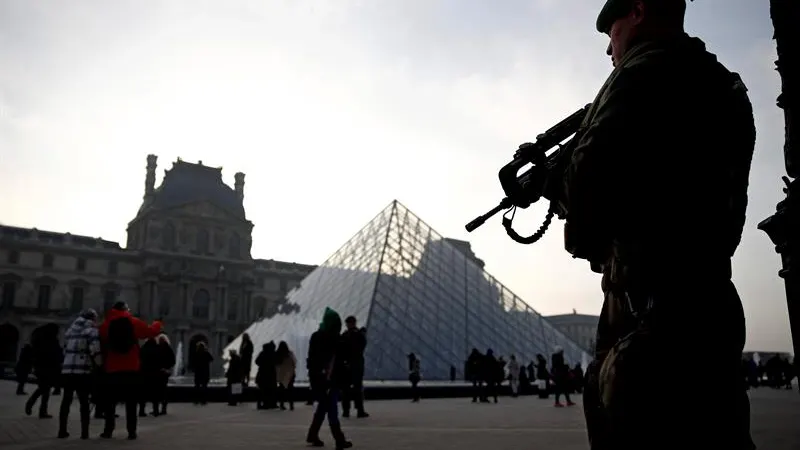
(659, 168)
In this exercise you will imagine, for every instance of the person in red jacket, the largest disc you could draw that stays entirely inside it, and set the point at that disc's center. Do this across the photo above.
(120, 334)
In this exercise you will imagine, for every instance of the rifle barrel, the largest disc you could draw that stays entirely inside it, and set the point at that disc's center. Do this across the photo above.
(480, 220)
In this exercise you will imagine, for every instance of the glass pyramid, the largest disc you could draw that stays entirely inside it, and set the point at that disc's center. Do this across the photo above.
(415, 292)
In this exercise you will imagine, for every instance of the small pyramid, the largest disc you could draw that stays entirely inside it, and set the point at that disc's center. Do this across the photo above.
(414, 291)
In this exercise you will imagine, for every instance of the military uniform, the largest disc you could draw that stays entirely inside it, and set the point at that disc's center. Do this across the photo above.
(655, 195)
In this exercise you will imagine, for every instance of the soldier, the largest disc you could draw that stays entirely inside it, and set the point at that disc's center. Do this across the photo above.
(654, 196)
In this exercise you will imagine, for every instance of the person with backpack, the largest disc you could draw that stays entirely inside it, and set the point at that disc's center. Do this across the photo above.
(120, 334)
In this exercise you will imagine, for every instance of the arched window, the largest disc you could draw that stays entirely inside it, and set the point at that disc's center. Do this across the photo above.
(200, 304)
(168, 237)
(110, 295)
(9, 285)
(202, 241)
(234, 245)
(45, 287)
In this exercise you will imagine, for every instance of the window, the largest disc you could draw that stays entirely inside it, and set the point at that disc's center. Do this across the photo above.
(112, 267)
(9, 294)
(109, 298)
(163, 303)
(13, 257)
(233, 305)
(272, 284)
(43, 300)
(202, 241)
(168, 237)
(234, 246)
(76, 305)
(80, 264)
(47, 260)
(200, 304)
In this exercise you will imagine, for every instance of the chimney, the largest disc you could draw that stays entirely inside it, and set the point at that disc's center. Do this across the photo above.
(239, 185)
(150, 179)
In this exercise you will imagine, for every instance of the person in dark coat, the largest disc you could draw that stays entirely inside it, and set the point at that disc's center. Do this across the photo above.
(234, 376)
(166, 362)
(47, 358)
(246, 353)
(149, 371)
(414, 376)
(490, 374)
(354, 341)
(561, 379)
(24, 368)
(201, 366)
(323, 348)
(266, 378)
(474, 370)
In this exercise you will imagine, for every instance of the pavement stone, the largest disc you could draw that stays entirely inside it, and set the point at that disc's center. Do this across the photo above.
(439, 424)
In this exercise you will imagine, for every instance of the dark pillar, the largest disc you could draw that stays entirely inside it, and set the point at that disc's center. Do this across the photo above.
(783, 227)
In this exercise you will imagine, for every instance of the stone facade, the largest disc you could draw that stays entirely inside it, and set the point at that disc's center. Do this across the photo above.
(581, 328)
(187, 261)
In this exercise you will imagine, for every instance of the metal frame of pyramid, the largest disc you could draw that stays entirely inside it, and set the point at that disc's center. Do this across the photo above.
(415, 292)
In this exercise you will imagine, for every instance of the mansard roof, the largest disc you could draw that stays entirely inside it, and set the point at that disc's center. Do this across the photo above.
(54, 237)
(187, 183)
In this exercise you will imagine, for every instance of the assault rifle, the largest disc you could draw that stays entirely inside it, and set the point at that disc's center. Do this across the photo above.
(526, 189)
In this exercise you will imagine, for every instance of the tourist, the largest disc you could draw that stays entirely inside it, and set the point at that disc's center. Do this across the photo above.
(560, 375)
(149, 375)
(286, 363)
(120, 334)
(325, 379)
(234, 375)
(166, 363)
(82, 355)
(414, 376)
(474, 374)
(201, 366)
(47, 357)
(265, 377)
(246, 352)
(354, 341)
(24, 367)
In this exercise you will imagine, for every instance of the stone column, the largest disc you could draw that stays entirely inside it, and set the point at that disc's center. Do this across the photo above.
(152, 308)
(247, 306)
(222, 303)
(187, 305)
(212, 306)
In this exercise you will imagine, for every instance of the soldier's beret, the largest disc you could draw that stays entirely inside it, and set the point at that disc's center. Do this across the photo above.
(616, 9)
(612, 10)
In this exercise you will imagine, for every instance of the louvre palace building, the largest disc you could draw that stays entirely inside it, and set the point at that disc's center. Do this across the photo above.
(187, 261)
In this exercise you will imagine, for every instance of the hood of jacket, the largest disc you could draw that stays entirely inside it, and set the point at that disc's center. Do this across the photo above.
(331, 322)
(79, 326)
(112, 314)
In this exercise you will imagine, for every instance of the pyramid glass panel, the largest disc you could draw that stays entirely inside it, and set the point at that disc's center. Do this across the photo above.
(415, 291)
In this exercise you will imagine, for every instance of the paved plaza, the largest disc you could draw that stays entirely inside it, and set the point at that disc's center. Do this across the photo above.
(432, 424)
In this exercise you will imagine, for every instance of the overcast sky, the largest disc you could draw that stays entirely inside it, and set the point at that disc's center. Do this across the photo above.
(335, 107)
